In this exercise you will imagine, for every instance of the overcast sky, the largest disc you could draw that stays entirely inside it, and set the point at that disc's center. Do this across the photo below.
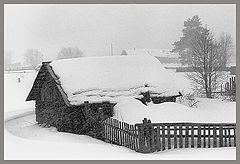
(93, 28)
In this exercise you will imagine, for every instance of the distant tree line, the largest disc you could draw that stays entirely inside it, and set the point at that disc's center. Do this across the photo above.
(34, 57)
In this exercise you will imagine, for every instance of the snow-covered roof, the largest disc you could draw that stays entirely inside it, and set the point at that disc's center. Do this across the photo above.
(108, 78)
(153, 52)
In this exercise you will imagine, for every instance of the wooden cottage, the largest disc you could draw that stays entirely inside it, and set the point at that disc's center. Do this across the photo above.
(74, 95)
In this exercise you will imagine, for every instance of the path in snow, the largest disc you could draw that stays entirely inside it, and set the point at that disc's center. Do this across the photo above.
(24, 139)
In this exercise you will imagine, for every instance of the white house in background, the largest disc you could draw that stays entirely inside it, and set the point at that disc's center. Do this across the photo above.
(165, 56)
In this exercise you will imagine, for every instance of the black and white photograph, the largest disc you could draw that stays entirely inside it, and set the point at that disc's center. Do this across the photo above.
(120, 82)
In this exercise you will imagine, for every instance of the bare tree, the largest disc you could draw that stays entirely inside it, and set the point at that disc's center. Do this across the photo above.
(69, 53)
(204, 54)
(225, 47)
(33, 57)
(207, 61)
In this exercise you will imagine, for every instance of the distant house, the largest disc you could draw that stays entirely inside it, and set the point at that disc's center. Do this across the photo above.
(165, 56)
(73, 95)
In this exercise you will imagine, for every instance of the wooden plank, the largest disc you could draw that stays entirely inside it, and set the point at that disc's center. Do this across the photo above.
(214, 136)
(204, 136)
(153, 144)
(163, 138)
(106, 132)
(137, 138)
(169, 137)
(229, 138)
(234, 133)
(192, 137)
(186, 137)
(131, 137)
(140, 142)
(148, 142)
(125, 135)
(189, 124)
(220, 136)
(110, 131)
(180, 137)
(209, 136)
(113, 130)
(128, 136)
(134, 137)
(175, 137)
(225, 137)
(118, 133)
(199, 137)
(158, 139)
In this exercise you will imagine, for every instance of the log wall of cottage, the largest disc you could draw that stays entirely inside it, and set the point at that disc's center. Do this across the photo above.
(51, 110)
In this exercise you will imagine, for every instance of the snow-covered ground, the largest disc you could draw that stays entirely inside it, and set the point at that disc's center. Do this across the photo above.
(209, 111)
(25, 140)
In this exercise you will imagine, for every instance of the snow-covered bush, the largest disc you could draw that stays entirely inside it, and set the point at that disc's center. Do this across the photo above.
(188, 99)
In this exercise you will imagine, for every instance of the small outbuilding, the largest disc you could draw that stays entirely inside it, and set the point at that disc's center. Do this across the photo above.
(74, 95)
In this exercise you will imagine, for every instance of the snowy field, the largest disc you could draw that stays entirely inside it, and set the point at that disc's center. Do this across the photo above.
(25, 140)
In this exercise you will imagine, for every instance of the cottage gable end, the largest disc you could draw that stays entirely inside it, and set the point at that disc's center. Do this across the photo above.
(45, 72)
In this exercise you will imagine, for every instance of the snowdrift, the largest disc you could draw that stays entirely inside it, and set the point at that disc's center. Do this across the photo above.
(109, 78)
(132, 111)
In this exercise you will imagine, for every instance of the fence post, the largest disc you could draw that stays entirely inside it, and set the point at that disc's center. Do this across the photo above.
(209, 136)
(186, 136)
(142, 129)
(199, 137)
(180, 137)
(141, 139)
(225, 137)
(158, 139)
(169, 137)
(214, 136)
(192, 136)
(220, 136)
(163, 137)
(175, 136)
(234, 139)
(229, 138)
(204, 136)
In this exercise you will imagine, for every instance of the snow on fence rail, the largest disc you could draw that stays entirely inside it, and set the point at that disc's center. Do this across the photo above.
(150, 137)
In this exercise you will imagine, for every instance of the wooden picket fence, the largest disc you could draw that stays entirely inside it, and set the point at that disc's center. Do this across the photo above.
(121, 133)
(226, 89)
(150, 137)
(230, 87)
